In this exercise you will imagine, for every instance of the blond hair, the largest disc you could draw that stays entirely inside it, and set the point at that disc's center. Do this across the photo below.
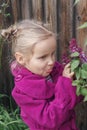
(24, 35)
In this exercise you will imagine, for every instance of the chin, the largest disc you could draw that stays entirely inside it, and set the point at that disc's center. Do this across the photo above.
(45, 75)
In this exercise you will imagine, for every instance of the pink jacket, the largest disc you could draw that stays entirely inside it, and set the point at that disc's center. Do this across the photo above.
(45, 105)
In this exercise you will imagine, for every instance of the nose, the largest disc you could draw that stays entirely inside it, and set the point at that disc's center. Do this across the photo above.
(51, 61)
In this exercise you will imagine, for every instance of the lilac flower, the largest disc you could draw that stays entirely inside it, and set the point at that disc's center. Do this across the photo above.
(83, 57)
(74, 46)
(65, 59)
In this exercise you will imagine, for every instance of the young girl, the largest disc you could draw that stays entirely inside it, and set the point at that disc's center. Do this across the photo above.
(43, 89)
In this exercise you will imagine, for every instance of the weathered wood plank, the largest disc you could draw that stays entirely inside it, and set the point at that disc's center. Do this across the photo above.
(81, 18)
(48, 15)
(66, 24)
(25, 9)
(14, 10)
(37, 10)
(51, 14)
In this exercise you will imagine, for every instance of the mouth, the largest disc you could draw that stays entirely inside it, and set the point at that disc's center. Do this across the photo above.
(49, 70)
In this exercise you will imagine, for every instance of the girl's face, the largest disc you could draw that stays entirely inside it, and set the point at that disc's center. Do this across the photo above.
(43, 58)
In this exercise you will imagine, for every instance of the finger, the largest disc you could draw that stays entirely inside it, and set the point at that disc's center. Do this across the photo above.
(67, 69)
(71, 74)
(68, 65)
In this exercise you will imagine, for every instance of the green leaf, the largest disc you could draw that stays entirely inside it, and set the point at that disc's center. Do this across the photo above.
(83, 26)
(84, 91)
(4, 5)
(76, 1)
(86, 84)
(74, 64)
(85, 44)
(3, 124)
(76, 82)
(85, 98)
(77, 73)
(75, 54)
(3, 95)
(83, 74)
(17, 121)
(78, 90)
(6, 15)
(0, 11)
(84, 66)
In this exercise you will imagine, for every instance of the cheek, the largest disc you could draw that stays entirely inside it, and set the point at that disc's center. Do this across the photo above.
(38, 65)
(43, 64)
(40, 68)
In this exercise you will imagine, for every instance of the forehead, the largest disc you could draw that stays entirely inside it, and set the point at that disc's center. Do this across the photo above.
(46, 46)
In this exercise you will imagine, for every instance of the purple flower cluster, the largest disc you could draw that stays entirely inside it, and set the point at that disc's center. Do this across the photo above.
(75, 48)
(65, 59)
(83, 57)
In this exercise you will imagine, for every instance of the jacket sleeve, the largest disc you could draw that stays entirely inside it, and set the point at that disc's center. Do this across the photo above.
(45, 112)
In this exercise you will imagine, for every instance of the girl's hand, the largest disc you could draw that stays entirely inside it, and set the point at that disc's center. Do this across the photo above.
(67, 71)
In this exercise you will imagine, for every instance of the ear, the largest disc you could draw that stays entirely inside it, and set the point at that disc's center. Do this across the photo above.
(20, 58)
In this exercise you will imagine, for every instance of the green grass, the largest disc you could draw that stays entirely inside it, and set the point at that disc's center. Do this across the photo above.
(10, 119)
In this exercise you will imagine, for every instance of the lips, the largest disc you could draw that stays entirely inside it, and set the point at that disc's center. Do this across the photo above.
(49, 70)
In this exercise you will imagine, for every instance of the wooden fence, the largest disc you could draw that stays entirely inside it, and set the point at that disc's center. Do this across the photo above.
(63, 18)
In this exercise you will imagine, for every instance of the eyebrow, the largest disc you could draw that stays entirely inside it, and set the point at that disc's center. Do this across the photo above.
(47, 53)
